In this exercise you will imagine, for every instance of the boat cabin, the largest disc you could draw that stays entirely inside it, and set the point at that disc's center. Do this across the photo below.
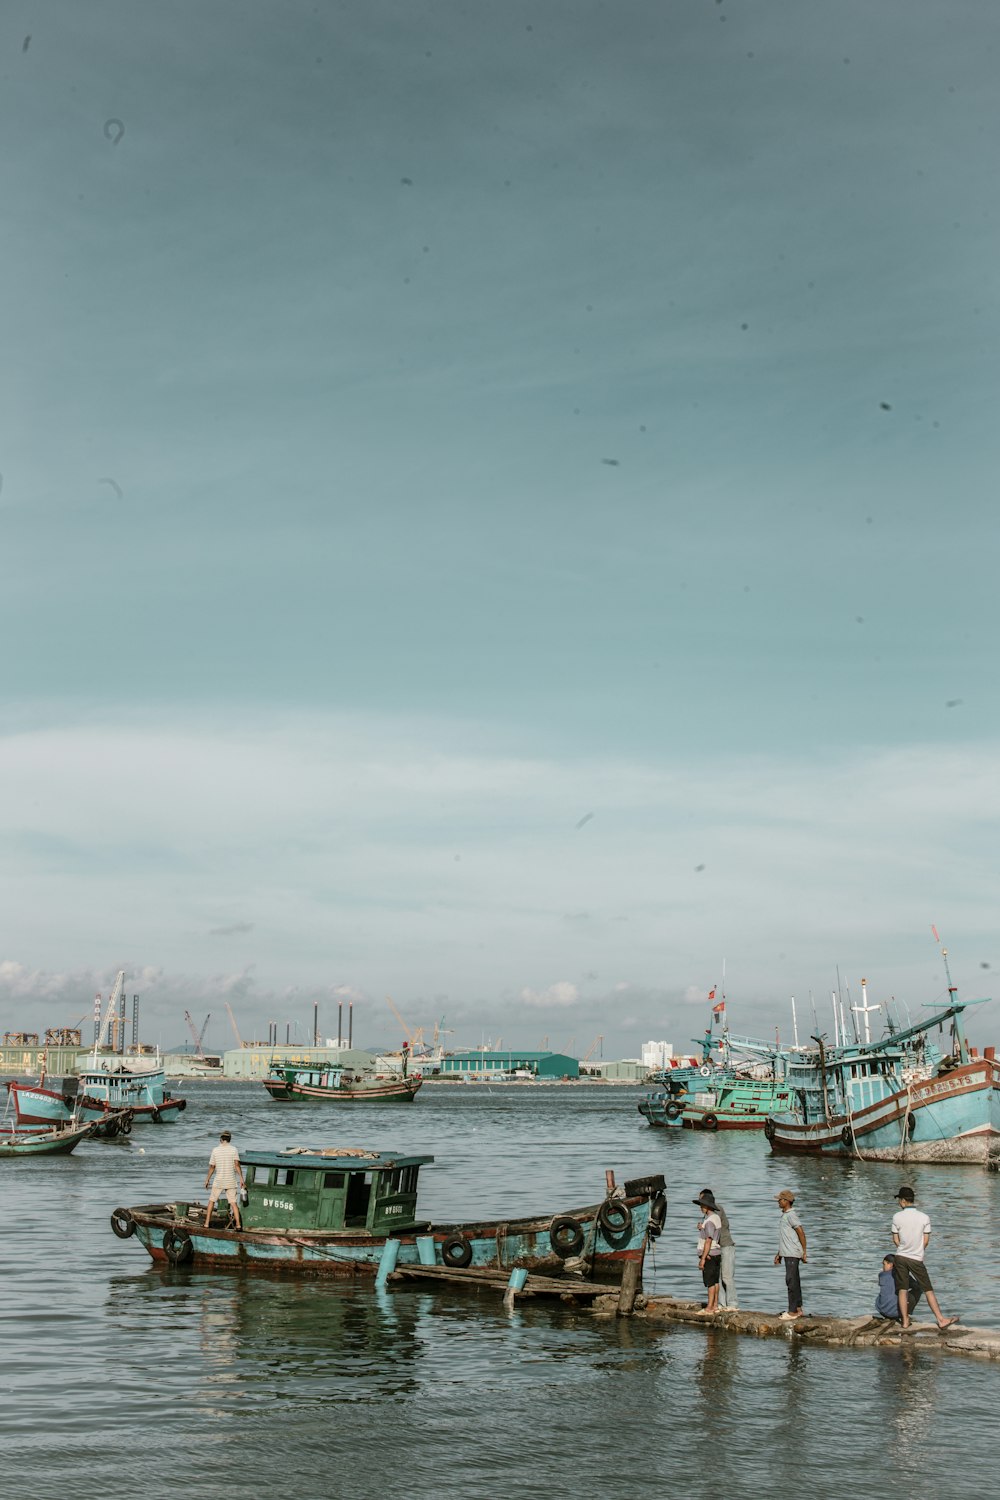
(306, 1189)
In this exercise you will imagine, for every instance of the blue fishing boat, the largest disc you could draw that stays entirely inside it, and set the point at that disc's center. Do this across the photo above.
(903, 1098)
(735, 1090)
(332, 1212)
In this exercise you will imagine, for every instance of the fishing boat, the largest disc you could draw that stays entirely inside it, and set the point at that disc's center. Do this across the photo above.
(332, 1212)
(743, 1104)
(290, 1081)
(902, 1098)
(109, 1084)
(734, 1091)
(57, 1140)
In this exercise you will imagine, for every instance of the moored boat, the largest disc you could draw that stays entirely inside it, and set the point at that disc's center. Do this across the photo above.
(288, 1081)
(109, 1086)
(57, 1140)
(743, 1104)
(897, 1099)
(333, 1212)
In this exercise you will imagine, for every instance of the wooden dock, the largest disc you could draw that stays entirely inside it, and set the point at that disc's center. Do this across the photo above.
(566, 1288)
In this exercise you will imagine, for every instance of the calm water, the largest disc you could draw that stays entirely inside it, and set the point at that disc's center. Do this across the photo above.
(118, 1379)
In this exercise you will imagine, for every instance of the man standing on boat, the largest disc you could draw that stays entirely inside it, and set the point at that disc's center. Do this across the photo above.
(911, 1229)
(791, 1250)
(727, 1245)
(224, 1163)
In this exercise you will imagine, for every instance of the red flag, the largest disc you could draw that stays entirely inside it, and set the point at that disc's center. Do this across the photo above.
(711, 994)
(720, 1009)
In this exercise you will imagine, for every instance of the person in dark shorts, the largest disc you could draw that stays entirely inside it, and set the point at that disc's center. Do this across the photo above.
(911, 1229)
(709, 1254)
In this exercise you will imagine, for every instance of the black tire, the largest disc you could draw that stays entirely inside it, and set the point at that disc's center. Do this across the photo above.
(182, 1104)
(710, 1122)
(614, 1217)
(125, 1125)
(456, 1252)
(658, 1212)
(673, 1111)
(566, 1236)
(847, 1137)
(155, 1115)
(769, 1129)
(177, 1246)
(122, 1223)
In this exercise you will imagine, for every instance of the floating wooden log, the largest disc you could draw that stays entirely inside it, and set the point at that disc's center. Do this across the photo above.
(865, 1332)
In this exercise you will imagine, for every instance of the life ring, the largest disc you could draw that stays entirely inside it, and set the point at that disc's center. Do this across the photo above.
(769, 1130)
(122, 1223)
(177, 1246)
(710, 1122)
(658, 1212)
(673, 1111)
(566, 1236)
(456, 1252)
(705, 1072)
(614, 1216)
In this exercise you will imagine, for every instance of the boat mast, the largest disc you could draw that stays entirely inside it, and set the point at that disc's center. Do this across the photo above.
(864, 1009)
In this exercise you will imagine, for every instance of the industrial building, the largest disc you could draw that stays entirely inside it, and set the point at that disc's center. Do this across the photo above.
(255, 1062)
(483, 1064)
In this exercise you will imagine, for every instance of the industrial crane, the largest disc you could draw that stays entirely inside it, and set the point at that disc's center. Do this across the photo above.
(406, 1030)
(199, 1049)
(232, 1022)
(597, 1042)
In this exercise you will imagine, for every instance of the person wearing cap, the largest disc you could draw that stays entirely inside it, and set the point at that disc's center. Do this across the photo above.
(791, 1250)
(727, 1258)
(911, 1229)
(709, 1251)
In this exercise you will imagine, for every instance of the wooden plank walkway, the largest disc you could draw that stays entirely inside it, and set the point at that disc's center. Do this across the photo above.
(535, 1286)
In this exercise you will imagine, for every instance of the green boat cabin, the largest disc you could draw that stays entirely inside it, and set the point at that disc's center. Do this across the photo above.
(306, 1189)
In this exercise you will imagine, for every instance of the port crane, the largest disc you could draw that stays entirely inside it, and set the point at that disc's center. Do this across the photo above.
(199, 1049)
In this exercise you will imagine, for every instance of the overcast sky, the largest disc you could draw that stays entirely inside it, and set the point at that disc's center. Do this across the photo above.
(497, 509)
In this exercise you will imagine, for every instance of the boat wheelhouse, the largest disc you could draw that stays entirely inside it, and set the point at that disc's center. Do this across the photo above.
(333, 1211)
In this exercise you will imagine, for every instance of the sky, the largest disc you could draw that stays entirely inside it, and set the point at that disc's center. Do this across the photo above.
(496, 510)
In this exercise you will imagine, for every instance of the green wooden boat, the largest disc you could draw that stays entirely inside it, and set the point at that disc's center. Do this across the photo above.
(57, 1141)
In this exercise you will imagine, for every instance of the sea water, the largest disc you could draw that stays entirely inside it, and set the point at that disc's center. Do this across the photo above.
(124, 1380)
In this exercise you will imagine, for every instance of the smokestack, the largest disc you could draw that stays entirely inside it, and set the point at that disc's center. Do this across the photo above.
(288, 1032)
(315, 1023)
(350, 1023)
(340, 1020)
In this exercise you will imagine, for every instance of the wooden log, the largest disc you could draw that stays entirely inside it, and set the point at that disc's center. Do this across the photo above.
(866, 1332)
(629, 1288)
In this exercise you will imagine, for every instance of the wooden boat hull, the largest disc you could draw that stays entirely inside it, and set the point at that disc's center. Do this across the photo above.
(378, 1091)
(696, 1117)
(39, 1106)
(951, 1118)
(57, 1142)
(661, 1109)
(505, 1245)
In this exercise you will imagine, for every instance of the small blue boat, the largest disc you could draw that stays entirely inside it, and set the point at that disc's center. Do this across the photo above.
(333, 1212)
(110, 1085)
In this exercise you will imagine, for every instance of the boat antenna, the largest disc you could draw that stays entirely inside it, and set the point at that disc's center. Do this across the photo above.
(795, 1026)
(851, 1013)
(812, 1002)
(836, 1022)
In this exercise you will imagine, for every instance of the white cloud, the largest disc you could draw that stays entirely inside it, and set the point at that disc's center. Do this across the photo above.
(559, 995)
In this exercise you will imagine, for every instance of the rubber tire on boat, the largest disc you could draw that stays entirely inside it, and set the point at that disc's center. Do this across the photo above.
(122, 1223)
(614, 1217)
(769, 1129)
(182, 1104)
(847, 1137)
(673, 1111)
(155, 1115)
(658, 1212)
(125, 1126)
(566, 1236)
(177, 1246)
(710, 1122)
(456, 1252)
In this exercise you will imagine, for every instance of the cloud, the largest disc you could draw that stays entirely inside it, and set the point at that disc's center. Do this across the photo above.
(233, 930)
(559, 995)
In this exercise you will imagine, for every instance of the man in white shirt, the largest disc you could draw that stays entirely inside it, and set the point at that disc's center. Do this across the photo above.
(911, 1229)
(224, 1163)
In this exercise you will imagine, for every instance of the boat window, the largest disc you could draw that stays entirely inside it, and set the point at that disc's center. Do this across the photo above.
(284, 1177)
(333, 1179)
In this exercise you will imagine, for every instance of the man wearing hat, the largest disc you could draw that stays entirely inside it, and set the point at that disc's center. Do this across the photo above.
(791, 1250)
(709, 1250)
(911, 1229)
(727, 1246)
